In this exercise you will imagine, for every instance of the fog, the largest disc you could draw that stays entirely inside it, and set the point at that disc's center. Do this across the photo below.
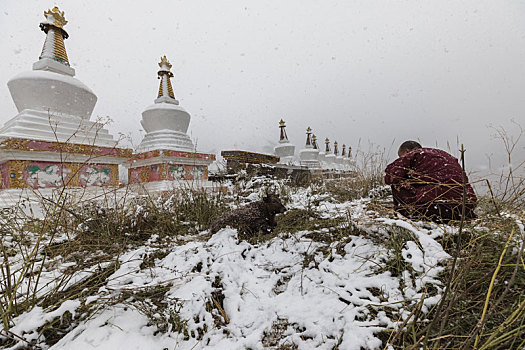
(442, 72)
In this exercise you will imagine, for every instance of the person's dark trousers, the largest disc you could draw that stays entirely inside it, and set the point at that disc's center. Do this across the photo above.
(439, 212)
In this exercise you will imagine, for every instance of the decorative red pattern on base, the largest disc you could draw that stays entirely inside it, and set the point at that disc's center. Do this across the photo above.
(169, 153)
(18, 144)
(36, 174)
(167, 172)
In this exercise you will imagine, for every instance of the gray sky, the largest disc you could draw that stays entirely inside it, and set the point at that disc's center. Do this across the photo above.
(379, 71)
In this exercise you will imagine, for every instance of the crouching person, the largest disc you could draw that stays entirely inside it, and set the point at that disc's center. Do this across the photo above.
(427, 183)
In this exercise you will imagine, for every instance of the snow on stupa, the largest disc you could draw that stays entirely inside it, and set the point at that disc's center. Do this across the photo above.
(285, 150)
(51, 142)
(166, 152)
(309, 155)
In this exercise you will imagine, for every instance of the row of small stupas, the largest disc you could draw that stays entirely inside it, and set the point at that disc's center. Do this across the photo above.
(52, 142)
(311, 156)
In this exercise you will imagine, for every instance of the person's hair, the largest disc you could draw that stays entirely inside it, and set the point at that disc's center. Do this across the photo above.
(409, 146)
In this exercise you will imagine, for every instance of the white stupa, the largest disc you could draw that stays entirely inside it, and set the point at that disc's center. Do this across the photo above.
(51, 142)
(350, 162)
(165, 121)
(329, 158)
(52, 104)
(322, 153)
(338, 157)
(285, 150)
(309, 155)
(166, 152)
(344, 160)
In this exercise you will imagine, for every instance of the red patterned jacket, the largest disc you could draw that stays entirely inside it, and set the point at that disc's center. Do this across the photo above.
(427, 174)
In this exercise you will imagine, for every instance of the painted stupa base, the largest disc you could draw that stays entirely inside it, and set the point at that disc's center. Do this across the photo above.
(36, 164)
(168, 165)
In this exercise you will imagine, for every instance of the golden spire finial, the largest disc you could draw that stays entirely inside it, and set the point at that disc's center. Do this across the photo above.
(335, 143)
(282, 124)
(165, 88)
(53, 26)
(327, 141)
(308, 130)
(58, 16)
(314, 138)
(164, 61)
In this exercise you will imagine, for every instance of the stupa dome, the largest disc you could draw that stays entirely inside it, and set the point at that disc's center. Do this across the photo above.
(165, 116)
(49, 91)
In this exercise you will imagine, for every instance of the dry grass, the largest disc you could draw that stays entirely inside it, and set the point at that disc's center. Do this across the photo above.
(86, 236)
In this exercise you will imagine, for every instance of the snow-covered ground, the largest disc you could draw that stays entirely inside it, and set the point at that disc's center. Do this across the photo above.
(297, 290)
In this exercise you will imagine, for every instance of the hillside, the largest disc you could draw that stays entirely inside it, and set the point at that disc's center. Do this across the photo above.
(338, 272)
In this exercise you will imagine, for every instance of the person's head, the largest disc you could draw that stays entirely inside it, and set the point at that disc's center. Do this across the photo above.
(408, 146)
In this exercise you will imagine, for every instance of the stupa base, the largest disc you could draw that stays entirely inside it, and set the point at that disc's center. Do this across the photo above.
(34, 164)
(35, 174)
(168, 165)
